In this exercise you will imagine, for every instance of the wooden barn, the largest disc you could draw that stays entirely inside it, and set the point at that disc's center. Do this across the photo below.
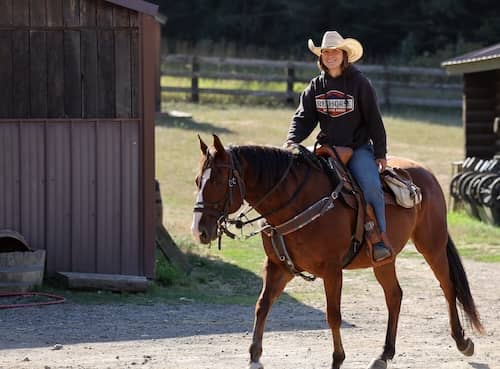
(77, 131)
(481, 99)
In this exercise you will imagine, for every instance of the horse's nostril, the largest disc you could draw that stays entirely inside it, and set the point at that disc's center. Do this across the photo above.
(204, 236)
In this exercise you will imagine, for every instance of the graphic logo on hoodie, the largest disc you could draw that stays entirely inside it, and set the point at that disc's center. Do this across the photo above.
(334, 103)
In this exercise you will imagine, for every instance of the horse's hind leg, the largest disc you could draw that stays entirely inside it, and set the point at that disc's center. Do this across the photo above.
(333, 289)
(274, 279)
(386, 276)
(436, 255)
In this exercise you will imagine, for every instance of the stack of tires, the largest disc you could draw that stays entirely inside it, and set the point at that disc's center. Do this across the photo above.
(477, 186)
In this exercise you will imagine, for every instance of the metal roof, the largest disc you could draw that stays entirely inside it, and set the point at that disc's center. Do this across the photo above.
(475, 61)
(137, 5)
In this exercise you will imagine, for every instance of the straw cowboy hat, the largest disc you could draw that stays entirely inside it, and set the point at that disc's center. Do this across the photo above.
(333, 40)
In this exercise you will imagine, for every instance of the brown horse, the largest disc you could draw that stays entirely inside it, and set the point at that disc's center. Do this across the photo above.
(280, 185)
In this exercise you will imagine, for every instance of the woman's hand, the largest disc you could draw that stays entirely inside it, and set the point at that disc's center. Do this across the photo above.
(382, 164)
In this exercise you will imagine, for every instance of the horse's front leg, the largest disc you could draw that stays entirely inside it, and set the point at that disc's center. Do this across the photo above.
(333, 290)
(274, 280)
(386, 276)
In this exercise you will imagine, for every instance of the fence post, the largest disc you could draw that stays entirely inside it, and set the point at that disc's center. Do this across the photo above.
(195, 68)
(290, 79)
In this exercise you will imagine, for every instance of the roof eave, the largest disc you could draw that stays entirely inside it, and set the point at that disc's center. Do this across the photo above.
(471, 67)
(138, 5)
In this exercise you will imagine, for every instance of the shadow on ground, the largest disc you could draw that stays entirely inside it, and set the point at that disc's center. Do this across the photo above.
(152, 317)
(188, 123)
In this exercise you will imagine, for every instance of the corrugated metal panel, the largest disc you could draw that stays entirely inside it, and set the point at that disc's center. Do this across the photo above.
(131, 258)
(58, 195)
(108, 197)
(77, 192)
(32, 164)
(84, 196)
(10, 210)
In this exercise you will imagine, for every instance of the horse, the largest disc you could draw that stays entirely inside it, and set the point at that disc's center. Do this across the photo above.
(278, 184)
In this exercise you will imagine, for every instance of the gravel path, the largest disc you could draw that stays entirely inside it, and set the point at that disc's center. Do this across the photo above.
(189, 335)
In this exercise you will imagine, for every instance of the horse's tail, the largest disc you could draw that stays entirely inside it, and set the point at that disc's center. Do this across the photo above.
(461, 285)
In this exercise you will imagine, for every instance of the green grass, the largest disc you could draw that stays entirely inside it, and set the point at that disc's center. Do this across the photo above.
(232, 275)
(434, 138)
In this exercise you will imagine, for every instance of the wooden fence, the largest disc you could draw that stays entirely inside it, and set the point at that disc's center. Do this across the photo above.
(410, 86)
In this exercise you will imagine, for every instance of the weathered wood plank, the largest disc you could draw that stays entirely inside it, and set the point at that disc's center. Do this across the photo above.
(55, 72)
(106, 75)
(54, 13)
(104, 14)
(6, 74)
(72, 75)
(123, 99)
(88, 14)
(6, 13)
(89, 73)
(110, 282)
(20, 64)
(71, 12)
(38, 13)
(121, 17)
(134, 72)
(170, 250)
(134, 18)
(38, 74)
(20, 13)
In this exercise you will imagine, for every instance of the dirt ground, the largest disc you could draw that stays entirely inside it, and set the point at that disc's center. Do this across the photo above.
(189, 335)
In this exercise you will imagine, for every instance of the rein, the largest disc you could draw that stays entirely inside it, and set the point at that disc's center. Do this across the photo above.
(236, 178)
(276, 233)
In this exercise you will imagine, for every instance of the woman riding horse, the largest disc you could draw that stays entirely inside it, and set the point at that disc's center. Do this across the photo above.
(342, 99)
(280, 185)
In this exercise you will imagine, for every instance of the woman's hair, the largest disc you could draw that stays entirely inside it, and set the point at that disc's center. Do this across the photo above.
(345, 63)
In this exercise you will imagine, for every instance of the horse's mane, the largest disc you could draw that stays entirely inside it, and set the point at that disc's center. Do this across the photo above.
(268, 163)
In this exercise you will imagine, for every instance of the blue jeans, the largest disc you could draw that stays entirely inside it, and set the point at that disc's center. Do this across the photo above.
(364, 169)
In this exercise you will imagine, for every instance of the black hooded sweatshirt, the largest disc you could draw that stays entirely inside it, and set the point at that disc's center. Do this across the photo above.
(347, 111)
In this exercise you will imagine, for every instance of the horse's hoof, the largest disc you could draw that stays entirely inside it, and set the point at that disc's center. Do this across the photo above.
(254, 365)
(469, 349)
(377, 364)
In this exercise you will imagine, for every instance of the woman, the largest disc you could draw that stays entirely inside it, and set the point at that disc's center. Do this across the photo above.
(343, 101)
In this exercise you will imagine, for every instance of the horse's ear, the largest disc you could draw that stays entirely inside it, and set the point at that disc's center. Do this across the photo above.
(219, 147)
(203, 146)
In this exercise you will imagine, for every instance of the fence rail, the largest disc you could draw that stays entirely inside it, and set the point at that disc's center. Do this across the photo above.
(411, 86)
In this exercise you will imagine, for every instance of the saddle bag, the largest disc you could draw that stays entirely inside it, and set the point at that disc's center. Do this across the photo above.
(399, 181)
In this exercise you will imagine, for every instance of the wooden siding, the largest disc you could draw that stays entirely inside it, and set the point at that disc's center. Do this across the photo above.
(68, 59)
(71, 187)
(481, 99)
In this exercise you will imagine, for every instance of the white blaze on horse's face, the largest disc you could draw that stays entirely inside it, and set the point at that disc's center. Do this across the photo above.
(195, 230)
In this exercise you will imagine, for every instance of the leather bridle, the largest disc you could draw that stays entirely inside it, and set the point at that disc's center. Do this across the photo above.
(220, 209)
(235, 178)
